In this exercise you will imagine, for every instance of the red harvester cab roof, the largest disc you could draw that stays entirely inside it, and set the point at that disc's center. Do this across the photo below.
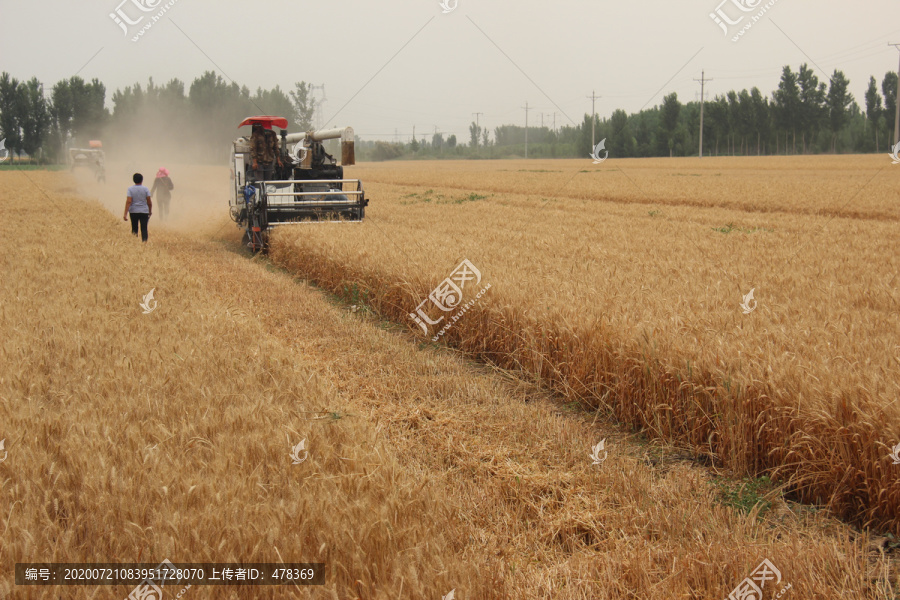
(95, 144)
(266, 122)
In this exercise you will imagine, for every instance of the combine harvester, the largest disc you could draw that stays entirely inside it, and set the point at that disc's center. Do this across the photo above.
(308, 188)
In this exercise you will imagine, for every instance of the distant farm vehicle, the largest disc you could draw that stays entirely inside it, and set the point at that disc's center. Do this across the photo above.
(92, 158)
(308, 187)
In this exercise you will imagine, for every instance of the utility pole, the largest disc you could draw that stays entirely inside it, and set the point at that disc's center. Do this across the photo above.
(554, 121)
(702, 81)
(542, 120)
(526, 129)
(897, 102)
(593, 98)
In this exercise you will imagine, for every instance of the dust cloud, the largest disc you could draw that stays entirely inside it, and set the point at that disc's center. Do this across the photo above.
(200, 174)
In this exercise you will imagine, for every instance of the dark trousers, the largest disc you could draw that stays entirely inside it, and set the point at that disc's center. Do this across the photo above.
(140, 218)
(263, 173)
(163, 208)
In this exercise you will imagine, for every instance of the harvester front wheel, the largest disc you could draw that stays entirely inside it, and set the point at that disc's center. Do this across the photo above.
(256, 241)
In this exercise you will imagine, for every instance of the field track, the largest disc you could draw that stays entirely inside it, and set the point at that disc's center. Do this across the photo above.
(166, 435)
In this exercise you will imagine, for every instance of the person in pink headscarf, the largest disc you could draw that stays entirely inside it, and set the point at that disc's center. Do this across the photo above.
(165, 185)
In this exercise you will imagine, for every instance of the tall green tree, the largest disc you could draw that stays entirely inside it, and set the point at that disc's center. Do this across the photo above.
(734, 119)
(671, 108)
(745, 119)
(10, 114)
(304, 105)
(34, 116)
(760, 117)
(839, 100)
(873, 109)
(128, 103)
(813, 110)
(616, 141)
(216, 109)
(787, 106)
(716, 121)
(89, 103)
(62, 108)
(474, 134)
(77, 112)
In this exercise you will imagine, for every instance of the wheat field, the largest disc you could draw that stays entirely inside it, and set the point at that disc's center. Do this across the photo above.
(621, 285)
(137, 437)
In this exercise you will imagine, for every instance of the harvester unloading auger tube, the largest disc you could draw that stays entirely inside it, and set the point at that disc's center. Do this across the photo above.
(309, 187)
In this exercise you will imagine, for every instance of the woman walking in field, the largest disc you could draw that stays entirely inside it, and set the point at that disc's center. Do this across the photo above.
(139, 205)
(165, 185)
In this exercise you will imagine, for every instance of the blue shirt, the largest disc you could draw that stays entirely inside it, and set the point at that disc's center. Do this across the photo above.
(138, 195)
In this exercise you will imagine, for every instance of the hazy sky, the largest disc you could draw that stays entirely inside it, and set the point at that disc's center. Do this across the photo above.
(487, 56)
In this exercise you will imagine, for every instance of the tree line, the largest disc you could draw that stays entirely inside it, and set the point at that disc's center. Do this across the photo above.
(199, 121)
(803, 115)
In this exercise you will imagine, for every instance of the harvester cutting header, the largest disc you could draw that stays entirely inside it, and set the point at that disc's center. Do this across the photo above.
(291, 179)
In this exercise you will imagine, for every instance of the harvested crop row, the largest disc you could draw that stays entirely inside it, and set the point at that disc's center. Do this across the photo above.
(138, 437)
